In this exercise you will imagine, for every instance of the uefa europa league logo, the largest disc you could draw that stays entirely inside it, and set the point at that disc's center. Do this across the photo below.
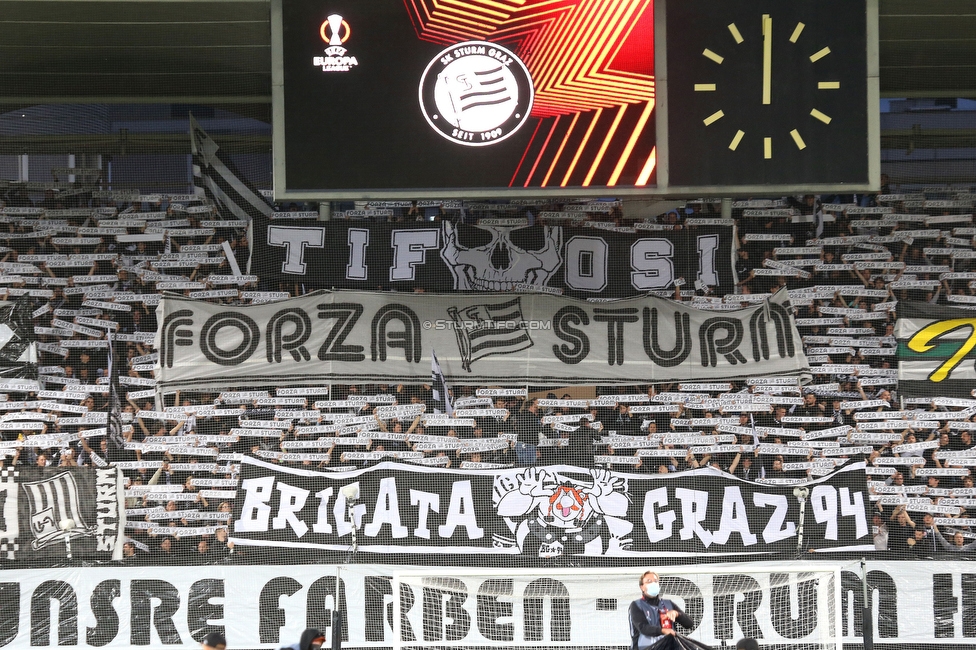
(335, 30)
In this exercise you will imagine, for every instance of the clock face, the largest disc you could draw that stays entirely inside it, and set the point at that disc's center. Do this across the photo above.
(764, 92)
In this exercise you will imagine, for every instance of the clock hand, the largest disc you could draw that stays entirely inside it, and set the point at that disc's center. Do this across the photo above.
(767, 31)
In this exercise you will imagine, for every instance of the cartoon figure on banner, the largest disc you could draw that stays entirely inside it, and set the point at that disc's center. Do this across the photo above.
(555, 515)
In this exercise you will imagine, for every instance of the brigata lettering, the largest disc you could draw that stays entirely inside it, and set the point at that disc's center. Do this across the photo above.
(271, 504)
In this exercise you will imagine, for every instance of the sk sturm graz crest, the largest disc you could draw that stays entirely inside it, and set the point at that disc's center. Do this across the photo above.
(476, 93)
(52, 501)
(485, 330)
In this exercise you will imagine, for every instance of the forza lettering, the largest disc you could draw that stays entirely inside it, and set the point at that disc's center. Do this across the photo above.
(287, 331)
(334, 349)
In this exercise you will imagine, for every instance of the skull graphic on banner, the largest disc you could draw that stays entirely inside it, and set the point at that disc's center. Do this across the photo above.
(497, 257)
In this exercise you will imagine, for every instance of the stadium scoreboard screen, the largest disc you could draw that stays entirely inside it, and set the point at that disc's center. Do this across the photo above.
(421, 99)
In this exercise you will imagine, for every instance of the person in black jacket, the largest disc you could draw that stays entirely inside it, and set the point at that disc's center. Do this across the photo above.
(311, 639)
(214, 641)
(652, 617)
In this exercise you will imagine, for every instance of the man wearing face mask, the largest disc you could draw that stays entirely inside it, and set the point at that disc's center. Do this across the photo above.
(652, 618)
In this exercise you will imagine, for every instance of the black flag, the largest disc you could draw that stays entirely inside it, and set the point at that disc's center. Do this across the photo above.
(442, 397)
(114, 406)
(217, 178)
(18, 351)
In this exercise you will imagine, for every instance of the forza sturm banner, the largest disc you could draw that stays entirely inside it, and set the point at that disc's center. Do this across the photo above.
(439, 257)
(44, 512)
(478, 339)
(267, 607)
(546, 511)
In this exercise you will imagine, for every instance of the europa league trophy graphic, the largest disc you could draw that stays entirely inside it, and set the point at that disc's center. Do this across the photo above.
(335, 24)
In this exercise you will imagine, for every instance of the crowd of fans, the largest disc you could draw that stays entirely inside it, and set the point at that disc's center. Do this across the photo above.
(91, 265)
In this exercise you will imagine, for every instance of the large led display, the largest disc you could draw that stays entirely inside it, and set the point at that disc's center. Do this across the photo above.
(506, 98)
(393, 97)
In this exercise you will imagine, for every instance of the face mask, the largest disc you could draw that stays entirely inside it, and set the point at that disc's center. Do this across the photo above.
(653, 589)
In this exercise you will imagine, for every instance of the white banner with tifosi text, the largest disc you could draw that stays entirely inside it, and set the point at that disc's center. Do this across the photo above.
(269, 606)
(478, 339)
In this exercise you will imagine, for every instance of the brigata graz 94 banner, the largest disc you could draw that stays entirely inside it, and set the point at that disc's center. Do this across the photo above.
(47, 513)
(583, 262)
(545, 511)
(484, 338)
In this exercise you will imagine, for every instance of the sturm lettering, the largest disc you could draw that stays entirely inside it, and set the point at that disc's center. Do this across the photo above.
(468, 50)
(107, 509)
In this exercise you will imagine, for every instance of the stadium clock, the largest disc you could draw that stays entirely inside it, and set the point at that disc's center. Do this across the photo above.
(767, 92)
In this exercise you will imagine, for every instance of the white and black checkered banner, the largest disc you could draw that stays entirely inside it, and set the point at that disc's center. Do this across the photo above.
(479, 339)
(57, 513)
(546, 511)
(582, 262)
(912, 603)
